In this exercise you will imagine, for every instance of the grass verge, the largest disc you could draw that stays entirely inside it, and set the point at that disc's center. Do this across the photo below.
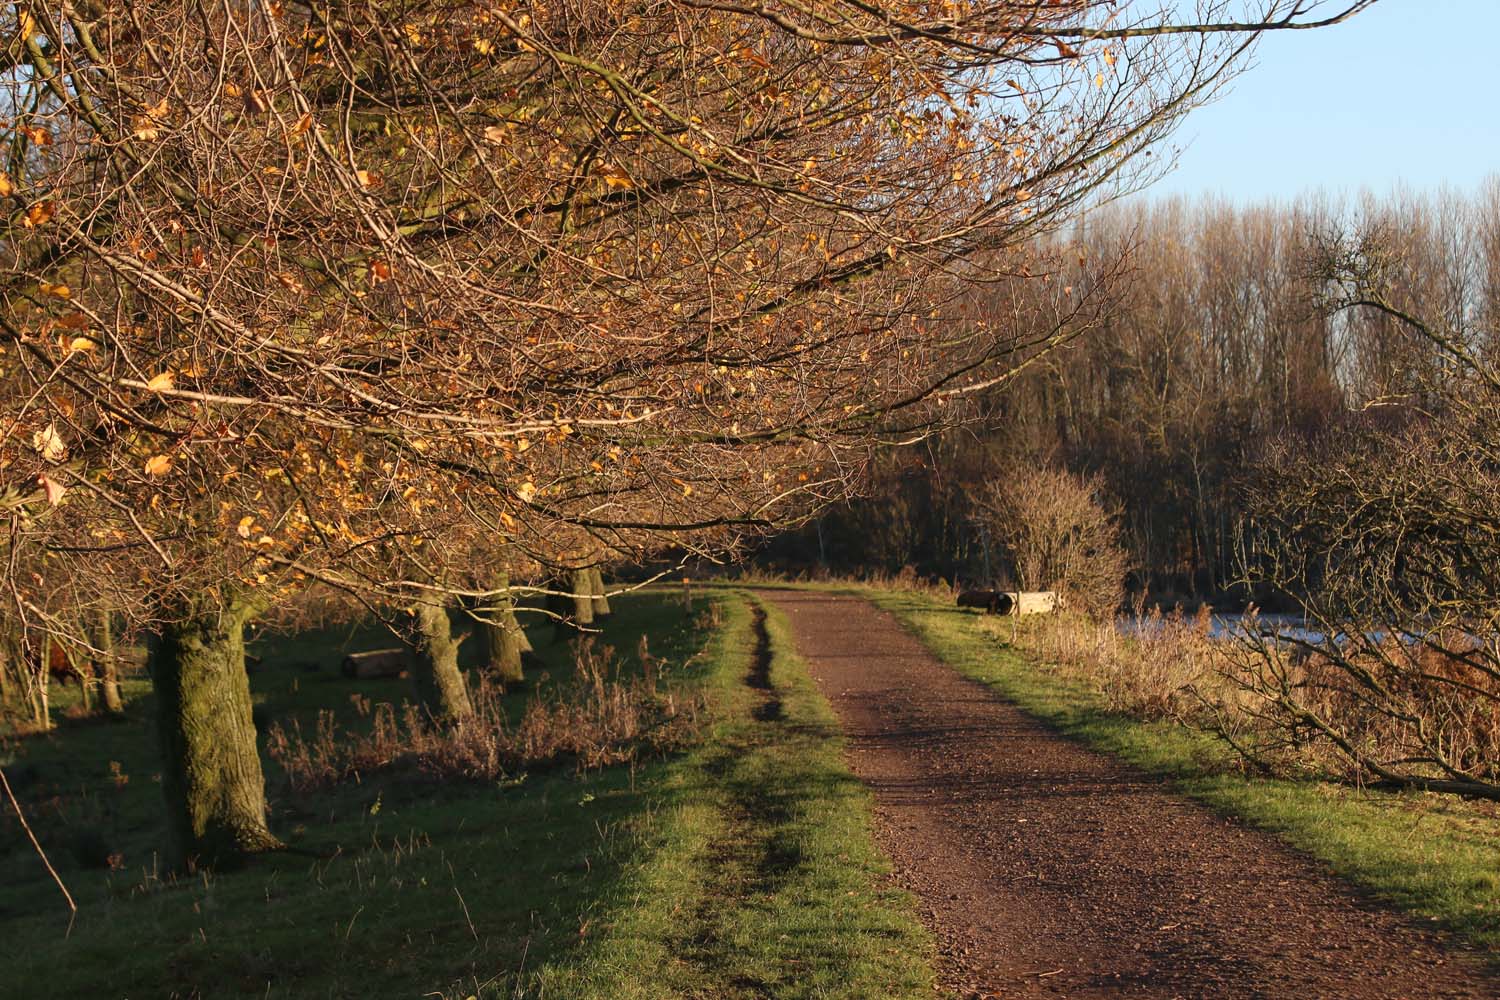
(760, 877)
(1434, 856)
(741, 868)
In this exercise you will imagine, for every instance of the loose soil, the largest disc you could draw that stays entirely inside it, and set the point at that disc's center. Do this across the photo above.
(1046, 869)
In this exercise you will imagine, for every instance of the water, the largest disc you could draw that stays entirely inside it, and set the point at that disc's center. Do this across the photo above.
(1233, 626)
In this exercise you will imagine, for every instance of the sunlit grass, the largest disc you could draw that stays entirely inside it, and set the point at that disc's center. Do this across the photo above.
(741, 868)
(1435, 856)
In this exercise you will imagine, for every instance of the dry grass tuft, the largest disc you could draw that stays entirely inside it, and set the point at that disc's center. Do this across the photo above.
(597, 719)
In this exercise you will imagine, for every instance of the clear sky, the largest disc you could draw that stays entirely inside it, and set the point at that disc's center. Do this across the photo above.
(1408, 91)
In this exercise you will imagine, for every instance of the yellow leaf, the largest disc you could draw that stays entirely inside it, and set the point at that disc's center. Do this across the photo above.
(58, 291)
(161, 382)
(7, 186)
(158, 465)
(82, 344)
(526, 491)
(246, 523)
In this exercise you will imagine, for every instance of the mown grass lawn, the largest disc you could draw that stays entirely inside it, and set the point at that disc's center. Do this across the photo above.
(741, 868)
(1434, 856)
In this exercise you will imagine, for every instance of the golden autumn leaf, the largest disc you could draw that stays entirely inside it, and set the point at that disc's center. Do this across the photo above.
(158, 465)
(161, 382)
(526, 491)
(40, 214)
(7, 186)
(57, 291)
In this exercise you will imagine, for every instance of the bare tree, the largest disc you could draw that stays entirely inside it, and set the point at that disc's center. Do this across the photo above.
(298, 293)
(1058, 533)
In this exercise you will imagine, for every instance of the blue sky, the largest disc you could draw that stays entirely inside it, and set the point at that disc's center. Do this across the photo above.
(1408, 91)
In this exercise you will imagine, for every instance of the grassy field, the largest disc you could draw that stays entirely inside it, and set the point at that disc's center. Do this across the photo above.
(740, 868)
(1435, 856)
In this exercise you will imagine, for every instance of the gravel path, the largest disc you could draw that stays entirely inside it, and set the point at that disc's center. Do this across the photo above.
(1045, 869)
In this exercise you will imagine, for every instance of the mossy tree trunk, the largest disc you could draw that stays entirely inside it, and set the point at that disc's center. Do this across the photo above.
(596, 588)
(505, 641)
(211, 775)
(108, 670)
(440, 684)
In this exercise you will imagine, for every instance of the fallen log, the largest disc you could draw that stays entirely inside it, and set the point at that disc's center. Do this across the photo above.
(375, 663)
(1001, 602)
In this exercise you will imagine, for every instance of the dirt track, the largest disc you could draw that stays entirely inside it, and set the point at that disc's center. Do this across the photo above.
(1045, 869)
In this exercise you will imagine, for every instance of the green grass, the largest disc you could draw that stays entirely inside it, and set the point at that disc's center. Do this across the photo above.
(763, 879)
(743, 868)
(1435, 856)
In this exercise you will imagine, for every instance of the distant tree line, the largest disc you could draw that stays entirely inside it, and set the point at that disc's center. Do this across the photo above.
(1231, 342)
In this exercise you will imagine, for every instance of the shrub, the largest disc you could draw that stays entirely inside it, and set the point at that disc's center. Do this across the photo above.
(1059, 533)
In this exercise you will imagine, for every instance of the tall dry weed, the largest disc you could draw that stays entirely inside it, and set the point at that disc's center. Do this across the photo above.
(596, 719)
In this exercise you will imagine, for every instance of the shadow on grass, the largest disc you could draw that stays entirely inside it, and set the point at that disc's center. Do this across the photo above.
(397, 886)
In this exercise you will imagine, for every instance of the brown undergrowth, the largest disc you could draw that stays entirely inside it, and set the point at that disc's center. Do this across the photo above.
(1377, 710)
(1151, 671)
(598, 718)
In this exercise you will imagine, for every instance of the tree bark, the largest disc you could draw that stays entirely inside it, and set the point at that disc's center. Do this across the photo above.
(600, 601)
(440, 684)
(43, 702)
(107, 670)
(504, 638)
(582, 587)
(211, 774)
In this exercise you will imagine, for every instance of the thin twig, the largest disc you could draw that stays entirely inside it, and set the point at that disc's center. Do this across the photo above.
(16, 804)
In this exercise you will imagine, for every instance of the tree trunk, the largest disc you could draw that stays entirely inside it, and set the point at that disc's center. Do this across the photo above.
(582, 587)
(574, 609)
(9, 660)
(440, 684)
(504, 638)
(107, 670)
(42, 709)
(596, 587)
(211, 775)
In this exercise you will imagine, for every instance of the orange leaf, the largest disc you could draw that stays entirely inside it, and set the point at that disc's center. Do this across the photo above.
(40, 213)
(158, 465)
(161, 382)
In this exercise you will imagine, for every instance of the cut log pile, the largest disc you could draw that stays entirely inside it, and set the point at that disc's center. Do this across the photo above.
(1001, 602)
